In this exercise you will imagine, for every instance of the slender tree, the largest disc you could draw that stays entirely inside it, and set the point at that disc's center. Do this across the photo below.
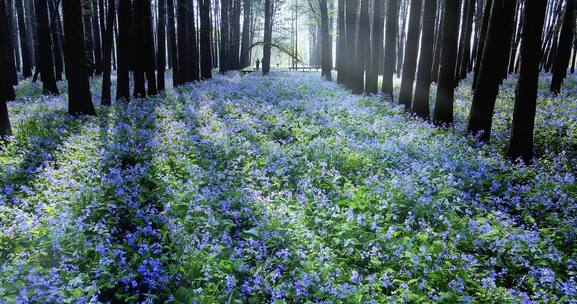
(267, 36)
(341, 44)
(521, 140)
(443, 113)
(326, 43)
(192, 44)
(563, 53)
(491, 67)
(172, 42)
(224, 34)
(123, 51)
(107, 54)
(7, 48)
(205, 33)
(411, 51)
(371, 85)
(482, 38)
(464, 54)
(96, 38)
(184, 63)
(390, 47)
(139, 59)
(245, 43)
(24, 41)
(79, 97)
(161, 44)
(46, 63)
(421, 100)
(6, 89)
(149, 48)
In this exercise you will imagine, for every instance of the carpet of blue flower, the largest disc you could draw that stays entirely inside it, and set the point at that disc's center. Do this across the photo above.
(283, 189)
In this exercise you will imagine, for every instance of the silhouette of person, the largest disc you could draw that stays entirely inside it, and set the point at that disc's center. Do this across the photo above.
(258, 64)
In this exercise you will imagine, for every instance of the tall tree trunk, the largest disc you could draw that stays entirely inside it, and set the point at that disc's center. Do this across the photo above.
(443, 113)
(108, 31)
(89, 39)
(79, 97)
(564, 48)
(6, 88)
(362, 50)
(402, 36)
(438, 43)
(351, 29)
(149, 49)
(421, 100)
(267, 36)
(172, 42)
(46, 63)
(482, 38)
(326, 43)
(123, 51)
(55, 30)
(411, 52)
(161, 44)
(490, 69)
(140, 57)
(96, 38)
(521, 140)
(390, 46)
(465, 45)
(184, 62)
(235, 34)
(372, 81)
(192, 44)
(224, 35)
(24, 40)
(341, 44)
(6, 47)
(205, 33)
(245, 43)
(32, 26)
(12, 24)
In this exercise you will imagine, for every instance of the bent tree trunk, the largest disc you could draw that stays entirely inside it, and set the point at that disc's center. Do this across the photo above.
(79, 97)
(564, 48)
(521, 140)
(443, 114)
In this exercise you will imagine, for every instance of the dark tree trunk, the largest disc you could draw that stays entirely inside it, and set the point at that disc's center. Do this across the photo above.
(79, 97)
(224, 35)
(443, 113)
(46, 63)
(55, 30)
(350, 28)
(193, 45)
(108, 31)
(139, 58)
(235, 34)
(149, 49)
(402, 36)
(521, 140)
(89, 39)
(421, 100)
(411, 52)
(390, 46)
(341, 44)
(245, 43)
(172, 42)
(12, 24)
(574, 57)
(326, 43)
(362, 49)
(490, 69)
(482, 37)
(123, 51)
(267, 37)
(96, 38)
(478, 22)
(6, 88)
(564, 48)
(438, 43)
(465, 45)
(205, 33)
(24, 40)
(161, 45)
(516, 38)
(32, 25)
(6, 48)
(372, 81)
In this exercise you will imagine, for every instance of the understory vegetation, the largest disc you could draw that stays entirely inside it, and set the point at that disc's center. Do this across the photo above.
(283, 189)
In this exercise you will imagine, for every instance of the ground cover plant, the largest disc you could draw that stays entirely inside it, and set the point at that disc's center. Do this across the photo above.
(283, 189)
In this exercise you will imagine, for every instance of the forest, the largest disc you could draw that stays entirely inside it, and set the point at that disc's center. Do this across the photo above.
(288, 151)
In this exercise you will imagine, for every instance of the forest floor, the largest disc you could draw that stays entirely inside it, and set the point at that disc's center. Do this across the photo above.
(283, 189)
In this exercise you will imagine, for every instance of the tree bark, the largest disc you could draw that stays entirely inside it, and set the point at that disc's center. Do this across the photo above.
(521, 140)
(443, 113)
(390, 47)
(224, 35)
(205, 47)
(372, 81)
(46, 63)
(341, 44)
(245, 43)
(24, 40)
(411, 53)
(361, 53)
(161, 45)
(123, 51)
(96, 38)
(267, 37)
(421, 100)
(79, 97)
(490, 69)
(482, 38)
(564, 48)
(107, 52)
(172, 42)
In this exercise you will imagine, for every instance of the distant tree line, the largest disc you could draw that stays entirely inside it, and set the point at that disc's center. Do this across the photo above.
(420, 41)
